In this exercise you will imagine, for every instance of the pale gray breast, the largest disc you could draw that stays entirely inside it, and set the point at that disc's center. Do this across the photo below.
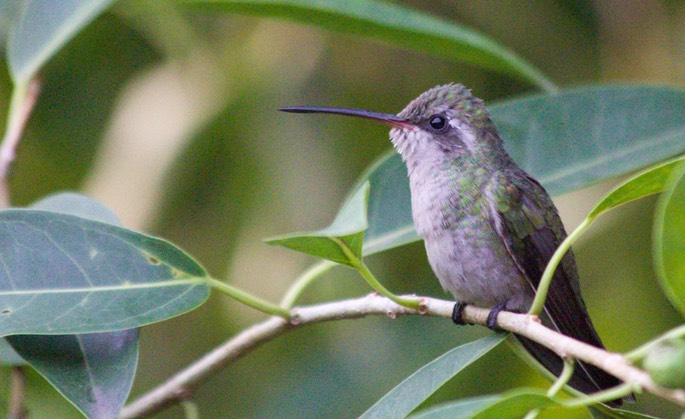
(475, 267)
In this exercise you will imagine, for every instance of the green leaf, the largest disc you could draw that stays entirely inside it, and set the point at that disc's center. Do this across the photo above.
(516, 404)
(348, 227)
(43, 28)
(513, 404)
(390, 219)
(63, 274)
(413, 391)
(652, 181)
(620, 413)
(93, 371)
(78, 205)
(395, 24)
(8, 356)
(9, 10)
(459, 409)
(567, 141)
(583, 136)
(669, 239)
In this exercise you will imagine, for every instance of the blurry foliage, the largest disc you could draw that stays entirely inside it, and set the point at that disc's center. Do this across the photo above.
(80, 85)
(251, 172)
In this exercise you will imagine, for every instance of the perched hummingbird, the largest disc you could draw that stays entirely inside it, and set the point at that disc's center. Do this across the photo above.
(489, 228)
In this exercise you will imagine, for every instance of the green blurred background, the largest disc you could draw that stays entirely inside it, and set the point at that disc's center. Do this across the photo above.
(169, 117)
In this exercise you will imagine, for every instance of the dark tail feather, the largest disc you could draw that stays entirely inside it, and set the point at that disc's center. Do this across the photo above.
(586, 378)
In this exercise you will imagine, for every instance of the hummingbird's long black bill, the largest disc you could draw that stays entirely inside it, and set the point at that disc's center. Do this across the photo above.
(384, 118)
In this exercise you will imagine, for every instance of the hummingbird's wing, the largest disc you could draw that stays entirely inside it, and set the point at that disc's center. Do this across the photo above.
(528, 223)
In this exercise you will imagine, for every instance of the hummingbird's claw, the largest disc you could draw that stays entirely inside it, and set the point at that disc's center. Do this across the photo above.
(491, 323)
(457, 313)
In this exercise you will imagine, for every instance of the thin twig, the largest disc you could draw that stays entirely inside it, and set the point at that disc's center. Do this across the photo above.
(184, 383)
(23, 100)
(16, 408)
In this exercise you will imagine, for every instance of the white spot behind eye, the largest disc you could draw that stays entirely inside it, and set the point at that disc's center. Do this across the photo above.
(466, 135)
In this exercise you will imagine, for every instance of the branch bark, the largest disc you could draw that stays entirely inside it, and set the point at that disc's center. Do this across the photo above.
(183, 385)
(16, 406)
(23, 100)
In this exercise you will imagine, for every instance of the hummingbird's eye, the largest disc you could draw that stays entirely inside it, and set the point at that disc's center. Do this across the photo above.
(438, 122)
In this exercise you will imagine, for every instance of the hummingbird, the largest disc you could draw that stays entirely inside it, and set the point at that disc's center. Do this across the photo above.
(489, 228)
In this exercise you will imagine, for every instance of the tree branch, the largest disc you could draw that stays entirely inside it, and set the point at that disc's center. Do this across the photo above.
(16, 406)
(183, 385)
(23, 100)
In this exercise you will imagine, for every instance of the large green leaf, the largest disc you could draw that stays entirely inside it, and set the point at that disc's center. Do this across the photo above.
(347, 230)
(78, 205)
(516, 404)
(669, 239)
(395, 24)
(61, 274)
(459, 409)
(567, 141)
(43, 28)
(650, 182)
(9, 356)
(583, 136)
(513, 404)
(413, 391)
(390, 219)
(9, 10)
(94, 371)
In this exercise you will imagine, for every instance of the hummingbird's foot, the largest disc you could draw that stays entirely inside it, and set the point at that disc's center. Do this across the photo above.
(491, 323)
(457, 313)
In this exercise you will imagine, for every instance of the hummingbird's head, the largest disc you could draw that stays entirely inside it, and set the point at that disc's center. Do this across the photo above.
(445, 120)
